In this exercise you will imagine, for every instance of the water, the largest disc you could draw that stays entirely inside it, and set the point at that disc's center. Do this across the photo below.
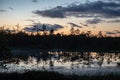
(67, 62)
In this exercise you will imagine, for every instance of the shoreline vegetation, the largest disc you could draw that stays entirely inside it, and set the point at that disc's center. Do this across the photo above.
(50, 75)
(48, 40)
(84, 41)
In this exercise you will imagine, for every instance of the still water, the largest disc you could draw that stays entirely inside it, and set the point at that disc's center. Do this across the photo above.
(67, 62)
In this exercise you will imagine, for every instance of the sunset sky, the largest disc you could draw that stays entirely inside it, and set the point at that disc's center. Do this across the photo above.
(86, 15)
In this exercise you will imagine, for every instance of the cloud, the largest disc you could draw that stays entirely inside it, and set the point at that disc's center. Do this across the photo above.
(31, 20)
(90, 9)
(50, 13)
(114, 0)
(110, 32)
(11, 8)
(34, 1)
(3, 10)
(114, 21)
(84, 24)
(113, 32)
(39, 27)
(94, 21)
(117, 31)
(74, 25)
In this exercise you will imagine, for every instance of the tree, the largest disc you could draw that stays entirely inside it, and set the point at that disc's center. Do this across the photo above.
(88, 33)
(100, 34)
(77, 31)
(72, 31)
(17, 26)
(51, 31)
(44, 29)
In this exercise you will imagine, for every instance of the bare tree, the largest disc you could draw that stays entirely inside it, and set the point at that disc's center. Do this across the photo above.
(99, 35)
(44, 29)
(72, 31)
(77, 31)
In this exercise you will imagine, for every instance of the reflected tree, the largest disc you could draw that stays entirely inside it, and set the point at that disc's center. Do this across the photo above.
(101, 59)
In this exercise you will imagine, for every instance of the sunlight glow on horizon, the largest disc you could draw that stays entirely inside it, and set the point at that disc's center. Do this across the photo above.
(19, 11)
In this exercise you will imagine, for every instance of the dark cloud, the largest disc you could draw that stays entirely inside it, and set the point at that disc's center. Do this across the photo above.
(110, 32)
(84, 24)
(114, 0)
(33, 21)
(34, 1)
(3, 10)
(90, 9)
(39, 27)
(113, 32)
(114, 21)
(94, 21)
(117, 31)
(50, 13)
(11, 8)
(74, 25)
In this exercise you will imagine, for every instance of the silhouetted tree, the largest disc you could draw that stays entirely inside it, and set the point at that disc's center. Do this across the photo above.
(88, 33)
(51, 31)
(44, 29)
(100, 35)
(77, 31)
(17, 26)
(74, 41)
(72, 31)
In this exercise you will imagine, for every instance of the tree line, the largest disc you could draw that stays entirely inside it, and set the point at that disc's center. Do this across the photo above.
(75, 40)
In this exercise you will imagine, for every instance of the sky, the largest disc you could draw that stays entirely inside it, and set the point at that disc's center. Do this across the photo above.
(61, 15)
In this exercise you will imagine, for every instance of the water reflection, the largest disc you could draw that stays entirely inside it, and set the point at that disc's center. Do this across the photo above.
(71, 59)
(68, 60)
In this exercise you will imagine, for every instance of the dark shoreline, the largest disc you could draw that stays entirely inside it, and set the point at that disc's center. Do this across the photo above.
(64, 50)
(46, 75)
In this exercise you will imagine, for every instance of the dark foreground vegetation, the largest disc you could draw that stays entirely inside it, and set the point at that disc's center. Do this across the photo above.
(45, 75)
(4, 49)
(49, 40)
(75, 40)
